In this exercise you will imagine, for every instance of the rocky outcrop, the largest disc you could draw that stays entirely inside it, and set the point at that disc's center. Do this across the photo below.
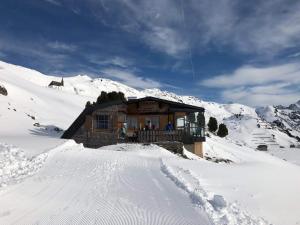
(3, 90)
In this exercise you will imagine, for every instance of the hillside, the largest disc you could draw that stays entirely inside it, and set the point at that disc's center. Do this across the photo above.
(30, 101)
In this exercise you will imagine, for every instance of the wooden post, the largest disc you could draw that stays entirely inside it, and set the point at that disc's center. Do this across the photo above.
(198, 149)
(173, 121)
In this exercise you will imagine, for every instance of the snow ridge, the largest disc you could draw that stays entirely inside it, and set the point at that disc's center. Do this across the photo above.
(15, 166)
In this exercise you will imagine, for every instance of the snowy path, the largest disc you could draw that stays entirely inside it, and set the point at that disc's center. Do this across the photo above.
(85, 186)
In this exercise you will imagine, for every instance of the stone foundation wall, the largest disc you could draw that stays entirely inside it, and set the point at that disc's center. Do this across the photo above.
(96, 140)
(174, 146)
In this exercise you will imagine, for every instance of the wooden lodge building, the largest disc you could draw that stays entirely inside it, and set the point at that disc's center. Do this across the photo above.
(144, 120)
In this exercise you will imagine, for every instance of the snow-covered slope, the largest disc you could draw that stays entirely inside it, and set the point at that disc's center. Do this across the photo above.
(138, 184)
(113, 185)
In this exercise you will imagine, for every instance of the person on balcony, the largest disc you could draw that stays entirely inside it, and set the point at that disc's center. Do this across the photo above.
(122, 132)
(169, 126)
(148, 125)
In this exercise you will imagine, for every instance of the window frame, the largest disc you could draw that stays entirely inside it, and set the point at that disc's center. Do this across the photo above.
(132, 122)
(102, 123)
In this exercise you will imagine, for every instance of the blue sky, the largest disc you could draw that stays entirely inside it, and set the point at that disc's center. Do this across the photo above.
(225, 50)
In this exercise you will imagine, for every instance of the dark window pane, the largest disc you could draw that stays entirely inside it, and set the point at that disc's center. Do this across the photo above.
(102, 121)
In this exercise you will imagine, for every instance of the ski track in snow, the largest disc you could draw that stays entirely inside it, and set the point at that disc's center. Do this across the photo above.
(221, 212)
(86, 186)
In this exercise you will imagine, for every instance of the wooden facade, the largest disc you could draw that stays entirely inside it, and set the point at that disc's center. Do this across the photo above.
(145, 120)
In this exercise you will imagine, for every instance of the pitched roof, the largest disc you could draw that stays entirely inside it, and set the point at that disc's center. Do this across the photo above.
(171, 103)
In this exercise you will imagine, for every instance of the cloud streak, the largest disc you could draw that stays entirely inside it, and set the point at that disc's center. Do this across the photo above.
(166, 40)
(131, 79)
(259, 85)
(54, 2)
(251, 75)
(60, 46)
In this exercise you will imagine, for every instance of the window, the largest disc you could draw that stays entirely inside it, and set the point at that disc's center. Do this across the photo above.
(102, 121)
(180, 123)
(121, 118)
(152, 122)
(132, 122)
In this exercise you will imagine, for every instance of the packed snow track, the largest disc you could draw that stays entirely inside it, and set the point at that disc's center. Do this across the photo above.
(111, 185)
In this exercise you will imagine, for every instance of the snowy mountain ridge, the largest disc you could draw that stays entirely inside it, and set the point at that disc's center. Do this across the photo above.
(285, 118)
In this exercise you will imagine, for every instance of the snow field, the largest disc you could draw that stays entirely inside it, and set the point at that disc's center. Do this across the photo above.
(136, 184)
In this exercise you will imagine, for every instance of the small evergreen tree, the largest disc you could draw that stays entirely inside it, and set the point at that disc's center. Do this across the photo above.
(102, 98)
(88, 104)
(121, 96)
(222, 131)
(212, 124)
(111, 96)
(201, 119)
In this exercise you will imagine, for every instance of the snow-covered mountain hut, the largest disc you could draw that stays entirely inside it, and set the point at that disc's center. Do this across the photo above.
(143, 120)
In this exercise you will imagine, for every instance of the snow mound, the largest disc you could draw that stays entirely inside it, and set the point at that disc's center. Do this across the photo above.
(14, 165)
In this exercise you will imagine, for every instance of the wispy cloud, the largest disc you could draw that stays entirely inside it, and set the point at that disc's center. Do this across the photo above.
(131, 79)
(116, 61)
(297, 54)
(251, 75)
(156, 23)
(262, 95)
(2, 55)
(166, 40)
(54, 2)
(38, 51)
(262, 27)
(265, 27)
(60, 46)
(259, 85)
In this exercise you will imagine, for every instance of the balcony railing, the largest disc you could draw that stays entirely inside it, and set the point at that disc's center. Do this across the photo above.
(159, 135)
(97, 139)
(146, 136)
